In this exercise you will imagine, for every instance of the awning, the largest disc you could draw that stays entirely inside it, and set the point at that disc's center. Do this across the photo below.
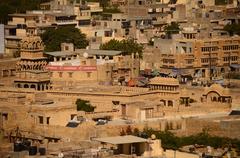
(128, 139)
(236, 66)
(235, 112)
(72, 124)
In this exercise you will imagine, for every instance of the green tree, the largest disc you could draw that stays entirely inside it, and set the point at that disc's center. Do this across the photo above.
(173, 28)
(111, 9)
(104, 3)
(136, 132)
(5, 9)
(170, 141)
(122, 132)
(53, 38)
(223, 2)
(127, 46)
(84, 105)
(129, 130)
(232, 29)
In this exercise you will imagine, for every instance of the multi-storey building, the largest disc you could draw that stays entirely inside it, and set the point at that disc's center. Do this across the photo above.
(54, 14)
(70, 69)
(200, 57)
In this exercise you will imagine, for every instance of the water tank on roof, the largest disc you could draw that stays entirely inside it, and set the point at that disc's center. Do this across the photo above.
(32, 150)
(42, 151)
(18, 147)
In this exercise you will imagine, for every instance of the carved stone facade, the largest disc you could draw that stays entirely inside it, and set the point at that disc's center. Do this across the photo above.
(30, 70)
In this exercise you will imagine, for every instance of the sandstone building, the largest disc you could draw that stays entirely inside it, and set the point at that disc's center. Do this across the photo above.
(189, 55)
(30, 69)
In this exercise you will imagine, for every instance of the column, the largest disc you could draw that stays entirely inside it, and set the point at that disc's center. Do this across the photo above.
(44, 120)
(9, 73)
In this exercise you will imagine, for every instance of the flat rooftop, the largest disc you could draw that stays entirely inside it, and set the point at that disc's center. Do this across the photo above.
(128, 139)
(99, 52)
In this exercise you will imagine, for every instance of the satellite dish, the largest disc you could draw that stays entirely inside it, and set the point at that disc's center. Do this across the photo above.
(85, 55)
(153, 136)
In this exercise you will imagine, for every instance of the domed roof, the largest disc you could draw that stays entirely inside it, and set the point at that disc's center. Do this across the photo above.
(219, 89)
(31, 43)
(164, 81)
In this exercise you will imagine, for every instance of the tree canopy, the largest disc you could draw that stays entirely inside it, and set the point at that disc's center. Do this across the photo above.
(172, 28)
(170, 141)
(84, 105)
(223, 2)
(112, 9)
(232, 29)
(53, 38)
(17, 6)
(127, 46)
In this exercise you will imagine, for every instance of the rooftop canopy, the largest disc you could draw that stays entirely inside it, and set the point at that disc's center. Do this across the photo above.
(99, 52)
(128, 139)
(60, 53)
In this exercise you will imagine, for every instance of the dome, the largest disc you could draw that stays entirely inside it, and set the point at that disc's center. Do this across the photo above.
(31, 43)
(218, 88)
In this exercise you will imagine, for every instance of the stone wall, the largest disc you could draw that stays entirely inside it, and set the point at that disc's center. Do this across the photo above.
(220, 127)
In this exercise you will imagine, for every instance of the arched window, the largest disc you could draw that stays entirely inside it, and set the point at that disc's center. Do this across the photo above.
(163, 101)
(170, 103)
(214, 99)
(26, 86)
(33, 86)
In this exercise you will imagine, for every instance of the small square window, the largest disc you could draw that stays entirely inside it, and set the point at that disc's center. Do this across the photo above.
(40, 119)
(66, 47)
(70, 74)
(48, 120)
(88, 74)
(60, 74)
(84, 62)
(5, 116)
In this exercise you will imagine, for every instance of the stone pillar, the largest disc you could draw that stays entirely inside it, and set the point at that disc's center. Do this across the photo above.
(9, 72)
(163, 124)
(44, 120)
